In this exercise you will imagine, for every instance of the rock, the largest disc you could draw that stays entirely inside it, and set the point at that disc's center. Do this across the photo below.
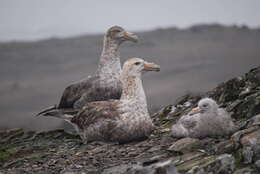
(254, 121)
(249, 107)
(228, 91)
(222, 164)
(166, 167)
(239, 134)
(249, 139)
(117, 169)
(253, 76)
(247, 154)
(257, 164)
(251, 146)
(186, 145)
(226, 146)
(240, 95)
(246, 170)
(186, 159)
(7, 135)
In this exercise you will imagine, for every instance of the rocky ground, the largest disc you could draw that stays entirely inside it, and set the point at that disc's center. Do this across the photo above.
(60, 152)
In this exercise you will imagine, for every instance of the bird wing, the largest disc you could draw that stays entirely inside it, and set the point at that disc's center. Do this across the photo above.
(188, 121)
(95, 111)
(74, 91)
(88, 90)
(226, 120)
(99, 92)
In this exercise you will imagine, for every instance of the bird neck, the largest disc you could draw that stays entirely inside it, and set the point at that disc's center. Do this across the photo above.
(133, 91)
(109, 64)
(213, 110)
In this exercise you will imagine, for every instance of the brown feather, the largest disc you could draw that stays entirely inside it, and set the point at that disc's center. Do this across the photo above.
(78, 94)
(94, 111)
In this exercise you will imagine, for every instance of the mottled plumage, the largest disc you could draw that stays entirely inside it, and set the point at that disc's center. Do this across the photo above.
(121, 120)
(88, 90)
(205, 121)
(105, 83)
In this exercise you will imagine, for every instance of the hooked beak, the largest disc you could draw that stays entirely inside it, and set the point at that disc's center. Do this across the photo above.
(195, 111)
(130, 36)
(151, 67)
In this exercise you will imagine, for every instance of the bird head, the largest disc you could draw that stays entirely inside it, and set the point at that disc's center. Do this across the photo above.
(119, 34)
(136, 66)
(205, 105)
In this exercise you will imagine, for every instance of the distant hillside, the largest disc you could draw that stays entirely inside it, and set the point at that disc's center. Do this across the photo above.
(33, 75)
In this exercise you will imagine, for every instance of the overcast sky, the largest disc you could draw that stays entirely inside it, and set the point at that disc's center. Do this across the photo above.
(39, 19)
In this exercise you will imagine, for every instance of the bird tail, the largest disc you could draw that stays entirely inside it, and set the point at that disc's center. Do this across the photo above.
(53, 111)
(46, 110)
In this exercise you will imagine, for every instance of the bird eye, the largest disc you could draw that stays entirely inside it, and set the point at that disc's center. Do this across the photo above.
(137, 63)
(116, 31)
(205, 105)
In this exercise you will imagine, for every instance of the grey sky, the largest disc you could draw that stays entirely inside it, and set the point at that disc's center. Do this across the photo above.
(38, 19)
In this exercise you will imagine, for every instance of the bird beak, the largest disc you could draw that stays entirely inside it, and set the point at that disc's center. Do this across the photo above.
(151, 67)
(195, 111)
(130, 36)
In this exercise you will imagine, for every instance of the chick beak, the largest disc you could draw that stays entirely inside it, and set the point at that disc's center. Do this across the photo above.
(151, 67)
(195, 111)
(130, 36)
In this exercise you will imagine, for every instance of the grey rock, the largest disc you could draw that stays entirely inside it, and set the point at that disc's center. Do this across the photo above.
(248, 154)
(215, 164)
(236, 137)
(246, 170)
(251, 146)
(186, 145)
(224, 147)
(117, 169)
(253, 76)
(228, 91)
(165, 167)
(257, 163)
(254, 121)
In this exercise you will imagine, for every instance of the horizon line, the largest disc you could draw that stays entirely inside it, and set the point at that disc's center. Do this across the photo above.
(74, 36)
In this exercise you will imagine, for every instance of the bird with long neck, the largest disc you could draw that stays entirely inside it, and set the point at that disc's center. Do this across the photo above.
(104, 84)
(123, 120)
(133, 91)
(109, 63)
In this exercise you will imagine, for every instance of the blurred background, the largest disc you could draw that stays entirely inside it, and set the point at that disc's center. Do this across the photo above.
(46, 45)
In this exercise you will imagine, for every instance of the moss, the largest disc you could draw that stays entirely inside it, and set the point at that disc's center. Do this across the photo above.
(257, 170)
(6, 154)
(36, 156)
(165, 112)
(168, 123)
(238, 159)
(196, 162)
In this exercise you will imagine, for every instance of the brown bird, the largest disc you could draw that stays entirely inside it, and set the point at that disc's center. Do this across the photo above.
(123, 120)
(104, 84)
